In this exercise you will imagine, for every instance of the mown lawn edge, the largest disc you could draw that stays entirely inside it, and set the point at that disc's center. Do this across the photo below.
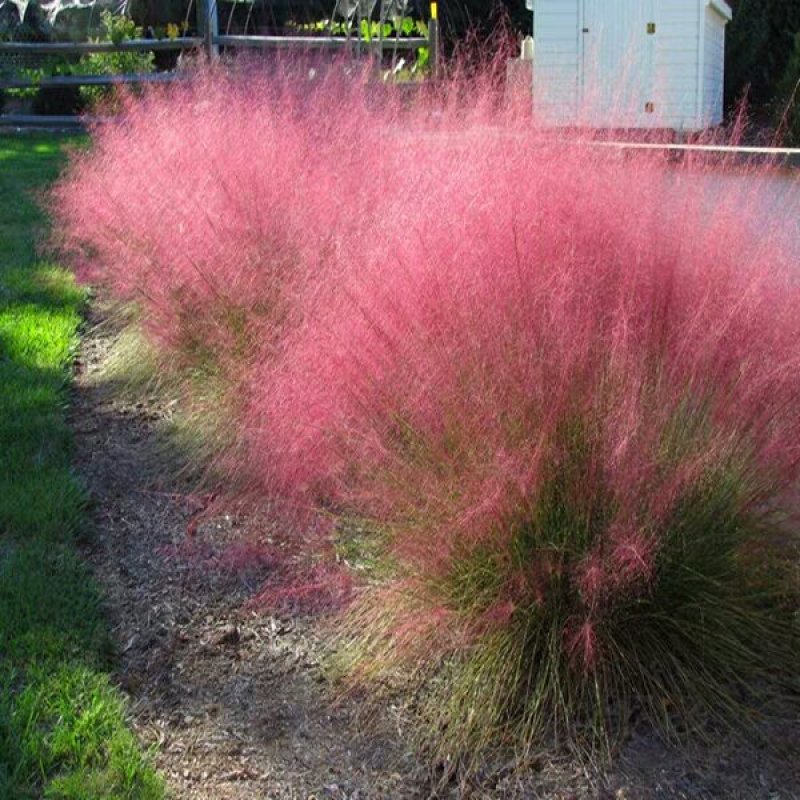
(63, 724)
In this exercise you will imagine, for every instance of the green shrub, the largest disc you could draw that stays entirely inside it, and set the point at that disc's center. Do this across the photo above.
(117, 29)
(73, 99)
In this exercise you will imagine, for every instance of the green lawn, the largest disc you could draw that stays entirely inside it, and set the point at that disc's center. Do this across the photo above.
(62, 724)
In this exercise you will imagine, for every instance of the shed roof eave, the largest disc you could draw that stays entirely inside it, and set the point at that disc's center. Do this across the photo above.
(722, 8)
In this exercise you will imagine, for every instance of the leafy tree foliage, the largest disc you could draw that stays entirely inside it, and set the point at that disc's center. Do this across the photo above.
(761, 42)
(789, 91)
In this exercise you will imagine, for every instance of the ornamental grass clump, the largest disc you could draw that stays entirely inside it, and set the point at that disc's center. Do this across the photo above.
(562, 403)
(549, 394)
(210, 204)
(208, 207)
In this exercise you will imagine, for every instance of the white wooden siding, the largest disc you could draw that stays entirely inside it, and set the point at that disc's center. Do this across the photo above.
(679, 69)
(714, 61)
(617, 63)
(676, 64)
(557, 60)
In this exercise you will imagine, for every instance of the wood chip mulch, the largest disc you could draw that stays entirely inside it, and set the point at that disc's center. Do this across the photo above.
(235, 699)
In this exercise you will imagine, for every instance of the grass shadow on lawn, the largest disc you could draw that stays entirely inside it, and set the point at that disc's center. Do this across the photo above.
(63, 730)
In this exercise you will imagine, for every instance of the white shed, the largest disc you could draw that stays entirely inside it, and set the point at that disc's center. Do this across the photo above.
(629, 63)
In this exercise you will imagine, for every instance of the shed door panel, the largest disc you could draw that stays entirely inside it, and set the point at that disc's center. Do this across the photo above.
(617, 63)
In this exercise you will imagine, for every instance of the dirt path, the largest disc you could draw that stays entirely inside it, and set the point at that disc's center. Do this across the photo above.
(236, 700)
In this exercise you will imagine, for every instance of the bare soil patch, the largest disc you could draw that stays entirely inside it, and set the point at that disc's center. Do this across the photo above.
(236, 700)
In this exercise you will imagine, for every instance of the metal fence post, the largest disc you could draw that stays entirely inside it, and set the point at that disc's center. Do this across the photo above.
(433, 46)
(208, 26)
(433, 39)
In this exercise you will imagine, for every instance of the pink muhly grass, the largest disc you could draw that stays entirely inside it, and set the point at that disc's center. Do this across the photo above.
(316, 589)
(211, 204)
(582, 646)
(564, 389)
(557, 387)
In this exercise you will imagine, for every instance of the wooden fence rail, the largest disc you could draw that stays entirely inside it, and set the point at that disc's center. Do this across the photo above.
(209, 42)
(319, 43)
(83, 48)
(72, 81)
(191, 43)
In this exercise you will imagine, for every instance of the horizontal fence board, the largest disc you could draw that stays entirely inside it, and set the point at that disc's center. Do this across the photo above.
(207, 44)
(80, 48)
(65, 81)
(318, 42)
(42, 121)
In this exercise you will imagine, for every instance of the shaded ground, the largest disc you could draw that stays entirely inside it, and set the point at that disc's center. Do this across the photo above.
(236, 700)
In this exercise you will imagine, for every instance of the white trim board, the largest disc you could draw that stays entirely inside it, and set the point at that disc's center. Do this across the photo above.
(722, 8)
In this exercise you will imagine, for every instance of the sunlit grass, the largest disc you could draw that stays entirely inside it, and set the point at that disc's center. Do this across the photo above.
(63, 730)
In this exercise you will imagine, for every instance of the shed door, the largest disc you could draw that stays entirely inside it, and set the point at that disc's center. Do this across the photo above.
(617, 63)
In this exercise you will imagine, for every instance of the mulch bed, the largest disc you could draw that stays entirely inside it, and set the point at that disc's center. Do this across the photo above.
(236, 699)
